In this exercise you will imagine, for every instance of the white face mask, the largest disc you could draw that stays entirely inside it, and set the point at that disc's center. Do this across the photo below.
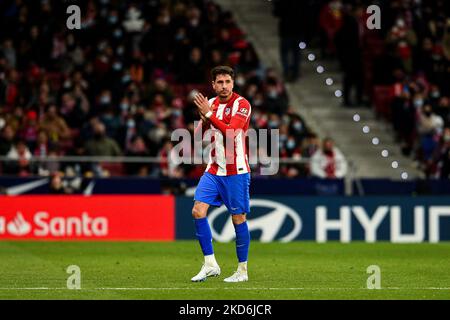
(257, 103)
(194, 22)
(400, 23)
(418, 103)
(435, 94)
(105, 99)
(130, 123)
(117, 66)
(166, 20)
(335, 5)
(240, 81)
(272, 94)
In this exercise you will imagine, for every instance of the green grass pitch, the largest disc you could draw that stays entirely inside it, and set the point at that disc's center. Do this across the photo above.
(154, 270)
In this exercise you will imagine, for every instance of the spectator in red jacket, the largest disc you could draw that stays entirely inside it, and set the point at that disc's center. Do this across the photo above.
(330, 21)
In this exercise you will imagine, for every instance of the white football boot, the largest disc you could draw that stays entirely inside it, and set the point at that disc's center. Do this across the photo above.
(240, 275)
(209, 269)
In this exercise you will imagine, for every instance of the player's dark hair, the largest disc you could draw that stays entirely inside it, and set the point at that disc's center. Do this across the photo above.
(221, 70)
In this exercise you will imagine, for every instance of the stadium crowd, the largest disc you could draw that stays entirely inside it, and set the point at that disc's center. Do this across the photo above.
(403, 69)
(415, 65)
(123, 82)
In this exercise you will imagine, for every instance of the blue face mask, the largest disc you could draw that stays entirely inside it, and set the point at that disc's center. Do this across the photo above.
(112, 19)
(117, 33)
(290, 144)
(105, 100)
(130, 123)
(124, 106)
(418, 103)
(117, 66)
(298, 126)
(120, 51)
(179, 37)
(273, 124)
(126, 78)
(273, 94)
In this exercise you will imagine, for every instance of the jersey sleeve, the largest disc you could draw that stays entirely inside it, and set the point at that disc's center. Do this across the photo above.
(243, 110)
(237, 123)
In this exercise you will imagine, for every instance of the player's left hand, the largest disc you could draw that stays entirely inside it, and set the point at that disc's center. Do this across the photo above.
(202, 103)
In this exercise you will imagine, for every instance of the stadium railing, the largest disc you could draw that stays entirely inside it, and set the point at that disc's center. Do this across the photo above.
(114, 166)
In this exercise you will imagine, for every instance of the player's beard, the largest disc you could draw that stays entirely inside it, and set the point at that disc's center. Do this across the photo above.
(225, 94)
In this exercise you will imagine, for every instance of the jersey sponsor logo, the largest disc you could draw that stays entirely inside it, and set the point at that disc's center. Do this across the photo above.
(270, 224)
(243, 111)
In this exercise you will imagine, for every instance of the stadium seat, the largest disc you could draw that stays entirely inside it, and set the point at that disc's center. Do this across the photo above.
(114, 169)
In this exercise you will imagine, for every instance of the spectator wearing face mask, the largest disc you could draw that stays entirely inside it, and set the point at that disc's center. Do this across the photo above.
(292, 27)
(101, 144)
(275, 100)
(298, 128)
(328, 162)
(443, 109)
(133, 23)
(429, 127)
(138, 149)
(439, 165)
(194, 69)
(6, 139)
(405, 39)
(445, 157)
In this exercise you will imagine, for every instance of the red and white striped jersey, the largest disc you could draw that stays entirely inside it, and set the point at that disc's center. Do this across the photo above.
(229, 121)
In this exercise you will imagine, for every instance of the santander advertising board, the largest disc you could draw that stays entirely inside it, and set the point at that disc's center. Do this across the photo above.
(87, 218)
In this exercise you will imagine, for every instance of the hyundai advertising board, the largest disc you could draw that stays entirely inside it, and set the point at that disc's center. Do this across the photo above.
(370, 219)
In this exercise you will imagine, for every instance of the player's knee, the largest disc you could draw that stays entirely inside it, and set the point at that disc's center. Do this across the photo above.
(238, 218)
(197, 213)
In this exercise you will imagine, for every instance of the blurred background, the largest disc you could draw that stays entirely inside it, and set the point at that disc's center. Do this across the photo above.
(86, 117)
(359, 111)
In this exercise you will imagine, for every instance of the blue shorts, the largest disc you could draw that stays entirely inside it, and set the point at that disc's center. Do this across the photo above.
(232, 191)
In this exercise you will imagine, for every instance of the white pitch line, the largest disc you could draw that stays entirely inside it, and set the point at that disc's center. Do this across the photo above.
(225, 288)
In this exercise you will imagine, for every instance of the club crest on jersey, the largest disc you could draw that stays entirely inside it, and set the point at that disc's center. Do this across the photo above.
(227, 111)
